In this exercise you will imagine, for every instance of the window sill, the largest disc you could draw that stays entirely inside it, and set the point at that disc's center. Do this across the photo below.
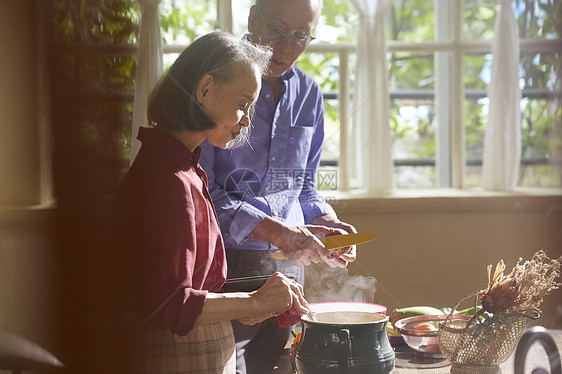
(435, 200)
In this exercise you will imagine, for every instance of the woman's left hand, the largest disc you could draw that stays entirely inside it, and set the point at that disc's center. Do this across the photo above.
(276, 296)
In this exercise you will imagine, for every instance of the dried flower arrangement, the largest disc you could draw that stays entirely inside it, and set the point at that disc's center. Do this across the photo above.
(524, 288)
(508, 305)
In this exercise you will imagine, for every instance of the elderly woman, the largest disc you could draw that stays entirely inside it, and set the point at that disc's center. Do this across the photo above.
(176, 250)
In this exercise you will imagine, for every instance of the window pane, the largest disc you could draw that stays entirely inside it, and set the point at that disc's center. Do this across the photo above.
(92, 70)
(412, 119)
(541, 136)
(541, 121)
(413, 148)
(333, 121)
(240, 12)
(541, 132)
(182, 21)
(323, 68)
(538, 18)
(476, 117)
(411, 70)
(410, 21)
(338, 22)
(331, 145)
(479, 18)
(541, 71)
(327, 178)
(476, 71)
(476, 79)
(541, 117)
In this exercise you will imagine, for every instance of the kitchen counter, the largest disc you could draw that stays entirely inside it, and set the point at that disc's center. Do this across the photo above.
(408, 362)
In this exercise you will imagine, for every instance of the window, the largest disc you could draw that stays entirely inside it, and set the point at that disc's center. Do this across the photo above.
(182, 21)
(425, 53)
(440, 60)
(540, 81)
(92, 59)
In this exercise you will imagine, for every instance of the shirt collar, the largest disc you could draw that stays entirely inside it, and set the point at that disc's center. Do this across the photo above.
(285, 77)
(289, 73)
(160, 141)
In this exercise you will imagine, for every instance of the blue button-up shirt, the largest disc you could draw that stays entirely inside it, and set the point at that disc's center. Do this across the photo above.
(275, 175)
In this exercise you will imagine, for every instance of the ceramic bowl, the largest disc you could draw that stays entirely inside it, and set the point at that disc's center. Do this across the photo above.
(421, 333)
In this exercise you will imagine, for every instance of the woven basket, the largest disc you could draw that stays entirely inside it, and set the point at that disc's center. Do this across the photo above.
(481, 345)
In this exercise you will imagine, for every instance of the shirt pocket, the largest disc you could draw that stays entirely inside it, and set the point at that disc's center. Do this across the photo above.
(300, 138)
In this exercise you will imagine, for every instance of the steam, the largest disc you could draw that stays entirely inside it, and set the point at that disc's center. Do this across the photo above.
(326, 284)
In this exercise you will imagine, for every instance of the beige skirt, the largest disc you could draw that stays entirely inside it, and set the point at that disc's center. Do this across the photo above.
(207, 349)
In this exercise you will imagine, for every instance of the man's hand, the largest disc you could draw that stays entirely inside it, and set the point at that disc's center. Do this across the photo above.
(300, 244)
(347, 254)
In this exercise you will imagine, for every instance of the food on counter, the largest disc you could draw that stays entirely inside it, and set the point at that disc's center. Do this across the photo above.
(413, 311)
(468, 311)
(426, 327)
(391, 331)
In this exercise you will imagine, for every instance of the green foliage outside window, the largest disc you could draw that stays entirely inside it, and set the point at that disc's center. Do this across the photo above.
(413, 21)
(183, 21)
(92, 84)
(338, 22)
(410, 21)
(95, 78)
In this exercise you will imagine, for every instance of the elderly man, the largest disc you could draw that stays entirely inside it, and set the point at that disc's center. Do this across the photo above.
(265, 193)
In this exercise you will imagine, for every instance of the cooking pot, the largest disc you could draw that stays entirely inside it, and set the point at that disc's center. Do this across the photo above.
(351, 342)
(347, 306)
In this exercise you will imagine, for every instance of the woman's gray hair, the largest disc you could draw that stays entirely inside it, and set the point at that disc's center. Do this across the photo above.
(173, 102)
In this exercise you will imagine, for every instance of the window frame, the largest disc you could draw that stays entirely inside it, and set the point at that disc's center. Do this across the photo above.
(449, 49)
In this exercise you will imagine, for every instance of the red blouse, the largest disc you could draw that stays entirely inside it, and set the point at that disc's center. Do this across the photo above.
(177, 247)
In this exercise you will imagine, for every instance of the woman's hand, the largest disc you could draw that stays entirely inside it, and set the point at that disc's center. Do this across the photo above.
(276, 296)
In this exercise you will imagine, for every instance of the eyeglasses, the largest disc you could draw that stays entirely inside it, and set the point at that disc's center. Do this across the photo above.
(300, 38)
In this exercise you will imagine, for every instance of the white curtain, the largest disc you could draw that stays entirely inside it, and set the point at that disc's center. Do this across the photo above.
(149, 66)
(370, 162)
(502, 143)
